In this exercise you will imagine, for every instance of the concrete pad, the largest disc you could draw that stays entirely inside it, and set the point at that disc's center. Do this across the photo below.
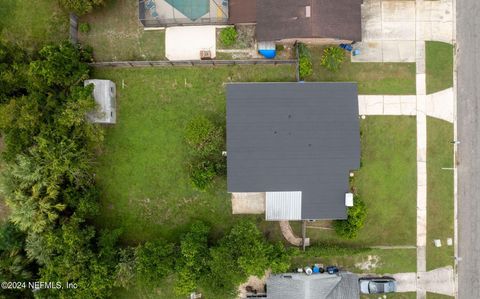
(391, 105)
(424, 31)
(408, 105)
(374, 105)
(371, 30)
(440, 281)
(362, 105)
(398, 51)
(398, 11)
(248, 203)
(420, 57)
(442, 31)
(403, 31)
(441, 105)
(406, 282)
(186, 42)
(369, 52)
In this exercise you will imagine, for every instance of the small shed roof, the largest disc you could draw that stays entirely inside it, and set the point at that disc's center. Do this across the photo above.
(104, 93)
(294, 137)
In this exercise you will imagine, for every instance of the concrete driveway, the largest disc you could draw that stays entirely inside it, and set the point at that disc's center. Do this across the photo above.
(390, 29)
(186, 42)
(438, 281)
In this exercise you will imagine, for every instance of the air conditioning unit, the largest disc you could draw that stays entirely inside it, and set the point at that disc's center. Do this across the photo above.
(349, 199)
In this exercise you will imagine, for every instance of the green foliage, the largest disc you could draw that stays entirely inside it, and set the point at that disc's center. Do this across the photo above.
(206, 142)
(84, 27)
(228, 36)
(305, 66)
(241, 253)
(332, 58)
(81, 7)
(356, 219)
(12, 71)
(154, 260)
(192, 263)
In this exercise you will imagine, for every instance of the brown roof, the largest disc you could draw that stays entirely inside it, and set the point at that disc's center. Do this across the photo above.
(242, 11)
(282, 19)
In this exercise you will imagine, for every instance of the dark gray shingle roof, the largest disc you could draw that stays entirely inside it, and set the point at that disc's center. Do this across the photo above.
(294, 137)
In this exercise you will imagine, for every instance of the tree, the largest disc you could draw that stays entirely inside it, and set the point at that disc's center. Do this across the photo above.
(13, 62)
(332, 58)
(154, 260)
(192, 263)
(81, 7)
(356, 219)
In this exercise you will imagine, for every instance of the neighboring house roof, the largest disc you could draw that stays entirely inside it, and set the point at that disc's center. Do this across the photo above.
(288, 19)
(104, 93)
(294, 137)
(242, 11)
(316, 286)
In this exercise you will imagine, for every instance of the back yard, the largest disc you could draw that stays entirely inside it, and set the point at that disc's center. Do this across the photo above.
(142, 172)
(116, 34)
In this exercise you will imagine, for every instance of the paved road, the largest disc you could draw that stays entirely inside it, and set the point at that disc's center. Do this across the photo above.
(468, 62)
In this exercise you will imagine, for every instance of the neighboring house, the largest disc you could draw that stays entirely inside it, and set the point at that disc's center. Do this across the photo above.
(104, 93)
(324, 21)
(304, 20)
(297, 143)
(317, 286)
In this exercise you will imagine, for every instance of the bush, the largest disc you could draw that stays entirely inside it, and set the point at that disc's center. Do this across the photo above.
(356, 219)
(228, 36)
(84, 27)
(81, 7)
(305, 66)
(332, 58)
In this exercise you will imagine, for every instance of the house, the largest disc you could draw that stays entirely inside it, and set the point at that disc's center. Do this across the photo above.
(316, 286)
(295, 142)
(104, 93)
(326, 21)
(300, 20)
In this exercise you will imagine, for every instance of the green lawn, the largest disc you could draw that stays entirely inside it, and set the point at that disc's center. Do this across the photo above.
(116, 34)
(380, 261)
(32, 23)
(386, 181)
(440, 218)
(372, 78)
(438, 296)
(392, 296)
(439, 66)
(141, 173)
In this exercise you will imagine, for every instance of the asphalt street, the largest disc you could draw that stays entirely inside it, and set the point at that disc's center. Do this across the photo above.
(468, 115)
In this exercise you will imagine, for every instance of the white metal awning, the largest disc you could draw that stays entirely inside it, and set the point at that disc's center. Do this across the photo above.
(285, 205)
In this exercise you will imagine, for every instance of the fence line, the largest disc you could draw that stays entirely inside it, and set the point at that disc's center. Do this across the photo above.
(73, 28)
(165, 63)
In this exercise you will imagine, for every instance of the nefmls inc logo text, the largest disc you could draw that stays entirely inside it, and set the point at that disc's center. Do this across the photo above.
(44, 285)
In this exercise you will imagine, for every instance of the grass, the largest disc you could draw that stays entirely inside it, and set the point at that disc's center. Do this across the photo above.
(438, 296)
(372, 78)
(440, 218)
(142, 173)
(116, 34)
(379, 261)
(439, 66)
(386, 181)
(32, 23)
(392, 296)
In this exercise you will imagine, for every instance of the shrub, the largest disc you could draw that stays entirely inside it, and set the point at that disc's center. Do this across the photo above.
(228, 36)
(332, 58)
(84, 27)
(356, 219)
(305, 66)
(81, 7)
(202, 174)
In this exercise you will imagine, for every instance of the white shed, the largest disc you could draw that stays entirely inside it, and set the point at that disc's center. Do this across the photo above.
(104, 93)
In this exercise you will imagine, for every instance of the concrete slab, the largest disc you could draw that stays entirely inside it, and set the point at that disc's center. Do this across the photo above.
(369, 52)
(442, 31)
(403, 31)
(248, 203)
(186, 42)
(408, 105)
(374, 105)
(440, 281)
(391, 105)
(398, 51)
(421, 85)
(398, 11)
(362, 105)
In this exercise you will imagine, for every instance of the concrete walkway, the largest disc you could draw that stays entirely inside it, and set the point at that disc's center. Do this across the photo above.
(439, 105)
(288, 234)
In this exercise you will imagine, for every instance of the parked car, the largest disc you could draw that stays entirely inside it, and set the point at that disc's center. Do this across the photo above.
(377, 285)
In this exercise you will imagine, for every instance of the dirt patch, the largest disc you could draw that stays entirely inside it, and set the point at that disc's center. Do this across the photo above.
(245, 38)
(254, 285)
(371, 263)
